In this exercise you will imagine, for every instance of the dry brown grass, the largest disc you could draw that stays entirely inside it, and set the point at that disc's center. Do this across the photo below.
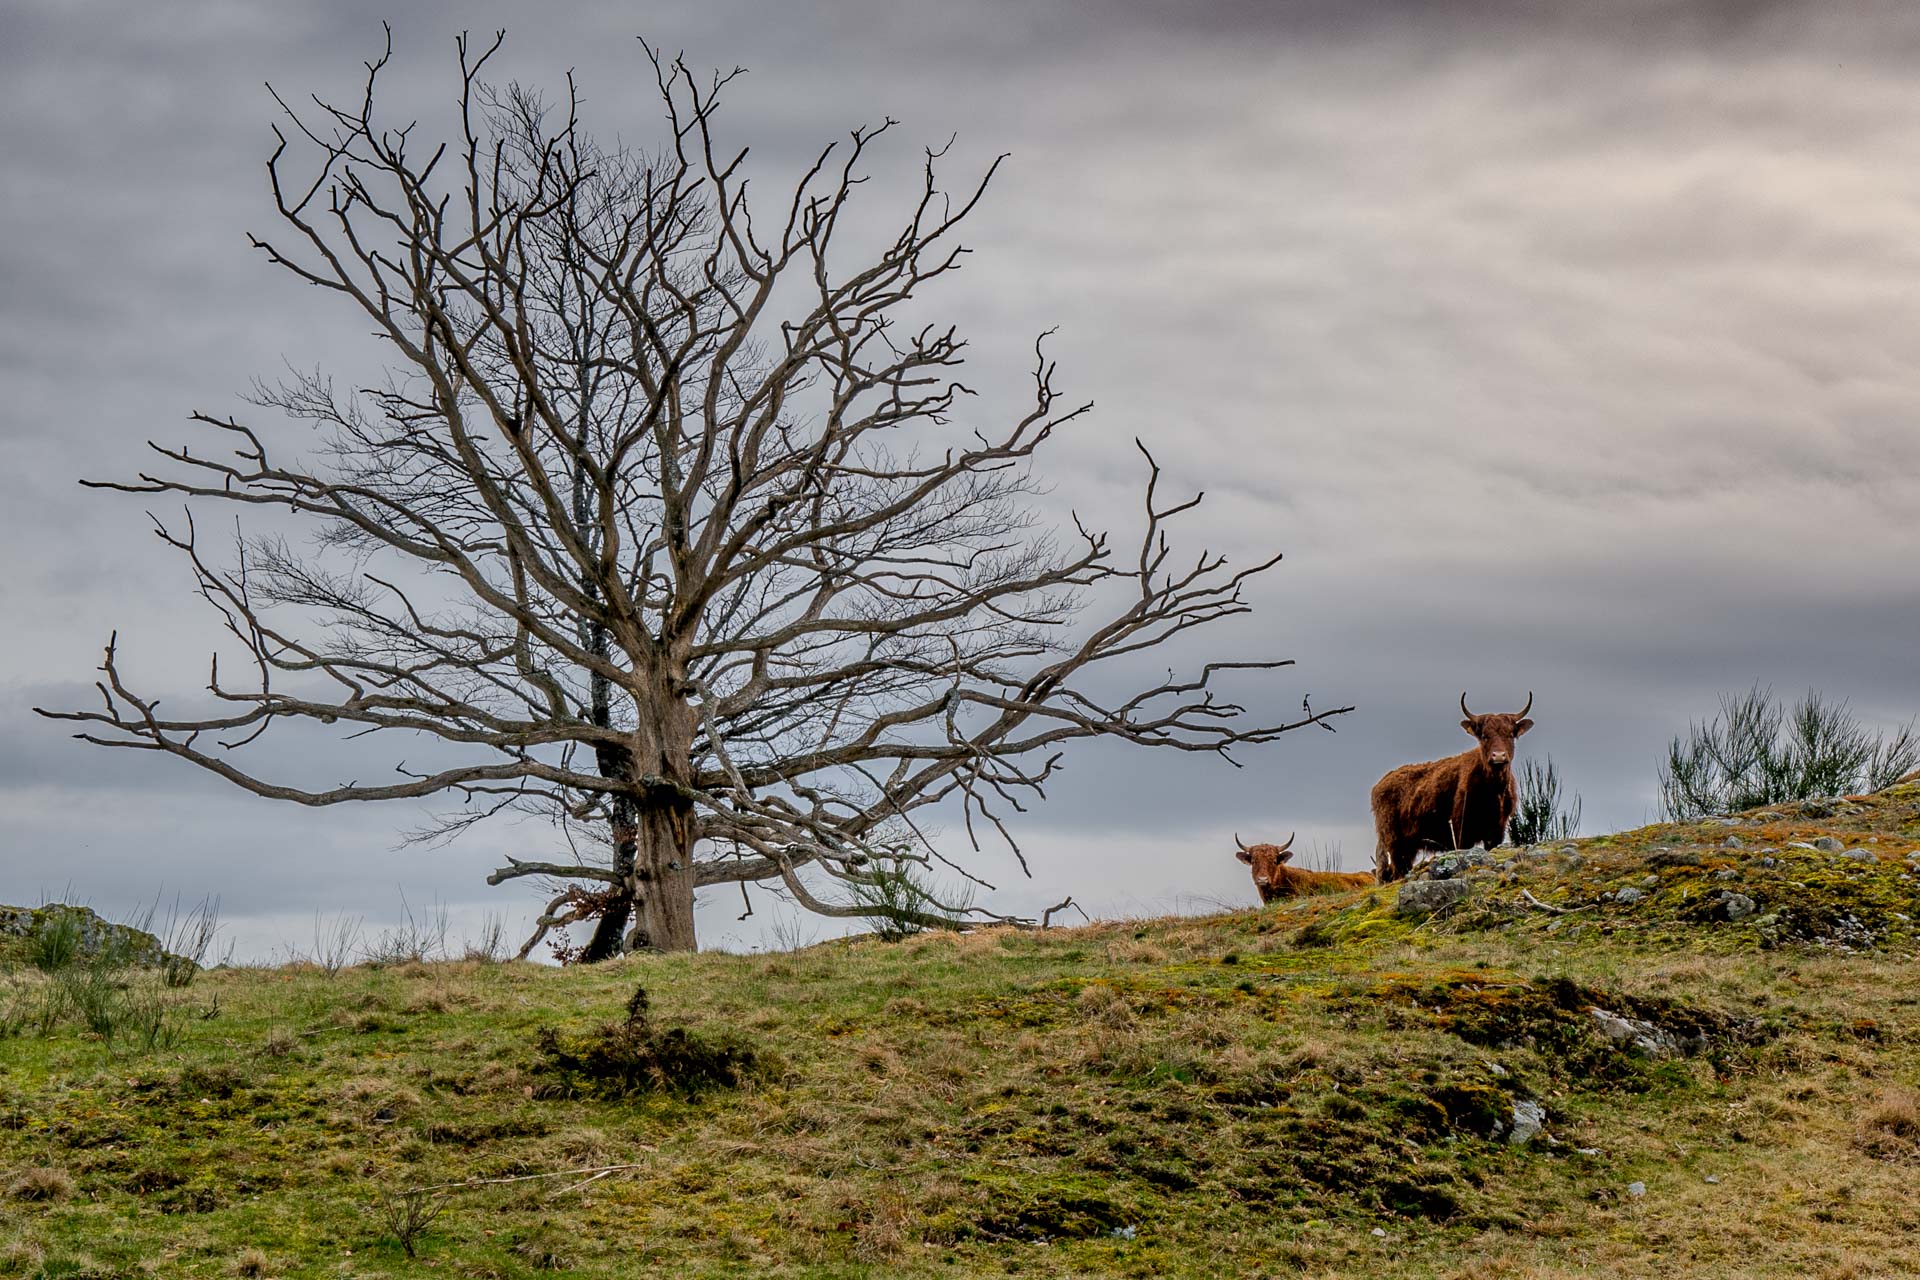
(252, 1262)
(1890, 1128)
(43, 1184)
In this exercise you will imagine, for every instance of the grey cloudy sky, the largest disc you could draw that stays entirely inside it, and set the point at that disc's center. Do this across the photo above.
(1572, 354)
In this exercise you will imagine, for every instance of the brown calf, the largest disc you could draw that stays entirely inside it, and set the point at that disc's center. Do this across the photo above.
(1454, 803)
(1276, 880)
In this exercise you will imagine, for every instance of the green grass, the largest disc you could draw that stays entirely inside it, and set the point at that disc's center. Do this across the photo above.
(1251, 1094)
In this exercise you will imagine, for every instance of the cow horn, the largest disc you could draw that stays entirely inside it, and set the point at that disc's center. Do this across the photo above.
(1463, 707)
(1528, 707)
(1237, 840)
(1288, 844)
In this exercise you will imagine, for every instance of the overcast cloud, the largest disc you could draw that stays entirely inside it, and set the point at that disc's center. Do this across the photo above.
(1573, 355)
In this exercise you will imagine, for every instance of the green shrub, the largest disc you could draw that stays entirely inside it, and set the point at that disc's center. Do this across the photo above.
(622, 1059)
(899, 900)
(1540, 815)
(1758, 752)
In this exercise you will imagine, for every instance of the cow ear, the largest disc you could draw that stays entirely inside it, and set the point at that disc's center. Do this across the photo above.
(1244, 856)
(1522, 727)
(1286, 855)
(1470, 727)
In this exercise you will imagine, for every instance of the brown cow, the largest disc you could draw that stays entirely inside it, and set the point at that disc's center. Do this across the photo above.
(1454, 803)
(1276, 880)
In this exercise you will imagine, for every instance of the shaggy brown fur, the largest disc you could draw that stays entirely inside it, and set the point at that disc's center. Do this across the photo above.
(1454, 803)
(1276, 880)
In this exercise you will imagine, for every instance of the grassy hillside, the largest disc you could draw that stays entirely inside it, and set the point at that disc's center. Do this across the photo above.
(1327, 1088)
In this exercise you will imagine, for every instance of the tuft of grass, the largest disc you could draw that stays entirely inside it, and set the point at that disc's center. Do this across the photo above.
(57, 941)
(42, 1183)
(1890, 1128)
(252, 1262)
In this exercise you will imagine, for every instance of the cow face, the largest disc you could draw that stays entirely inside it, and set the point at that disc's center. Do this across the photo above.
(1496, 733)
(1266, 861)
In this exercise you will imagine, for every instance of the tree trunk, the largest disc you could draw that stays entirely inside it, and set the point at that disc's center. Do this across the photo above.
(653, 826)
(610, 934)
(661, 884)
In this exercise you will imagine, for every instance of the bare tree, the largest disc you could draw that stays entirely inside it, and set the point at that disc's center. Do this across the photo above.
(664, 525)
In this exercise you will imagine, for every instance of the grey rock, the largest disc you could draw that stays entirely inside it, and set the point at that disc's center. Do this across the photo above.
(1424, 897)
(1860, 855)
(1650, 882)
(1529, 1118)
(1458, 862)
(1769, 862)
(1828, 844)
(1733, 842)
(1636, 1189)
(1768, 816)
(1629, 895)
(1631, 1033)
(1818, 808)
(1727, 873)
(96, 934)
(1739, 906)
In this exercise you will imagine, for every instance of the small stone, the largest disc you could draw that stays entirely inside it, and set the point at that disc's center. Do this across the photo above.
(1424, 897)
(1799, 844)
(1739, 906)
(1713, 1178)
(1629, 895)
(1768, 816)
(1733, 842)
(1828, 844)
(1860, 855)
(1586, 1151)
(1727, 873)
(1636, 1189)
(1497, 1070)
(1769, 862)
(1650, 882)
(1379, 1233)
(1529, 1118)
(1458, 862)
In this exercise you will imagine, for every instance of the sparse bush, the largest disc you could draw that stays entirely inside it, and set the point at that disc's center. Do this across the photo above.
(1540, 815)
(187, 940)
(490, 947)
(334, 942)
(632, 1057)
(405, 1213)
(415, 940)
(1758, 751)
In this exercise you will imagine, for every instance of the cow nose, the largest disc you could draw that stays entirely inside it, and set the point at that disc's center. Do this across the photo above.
(1499, 757)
